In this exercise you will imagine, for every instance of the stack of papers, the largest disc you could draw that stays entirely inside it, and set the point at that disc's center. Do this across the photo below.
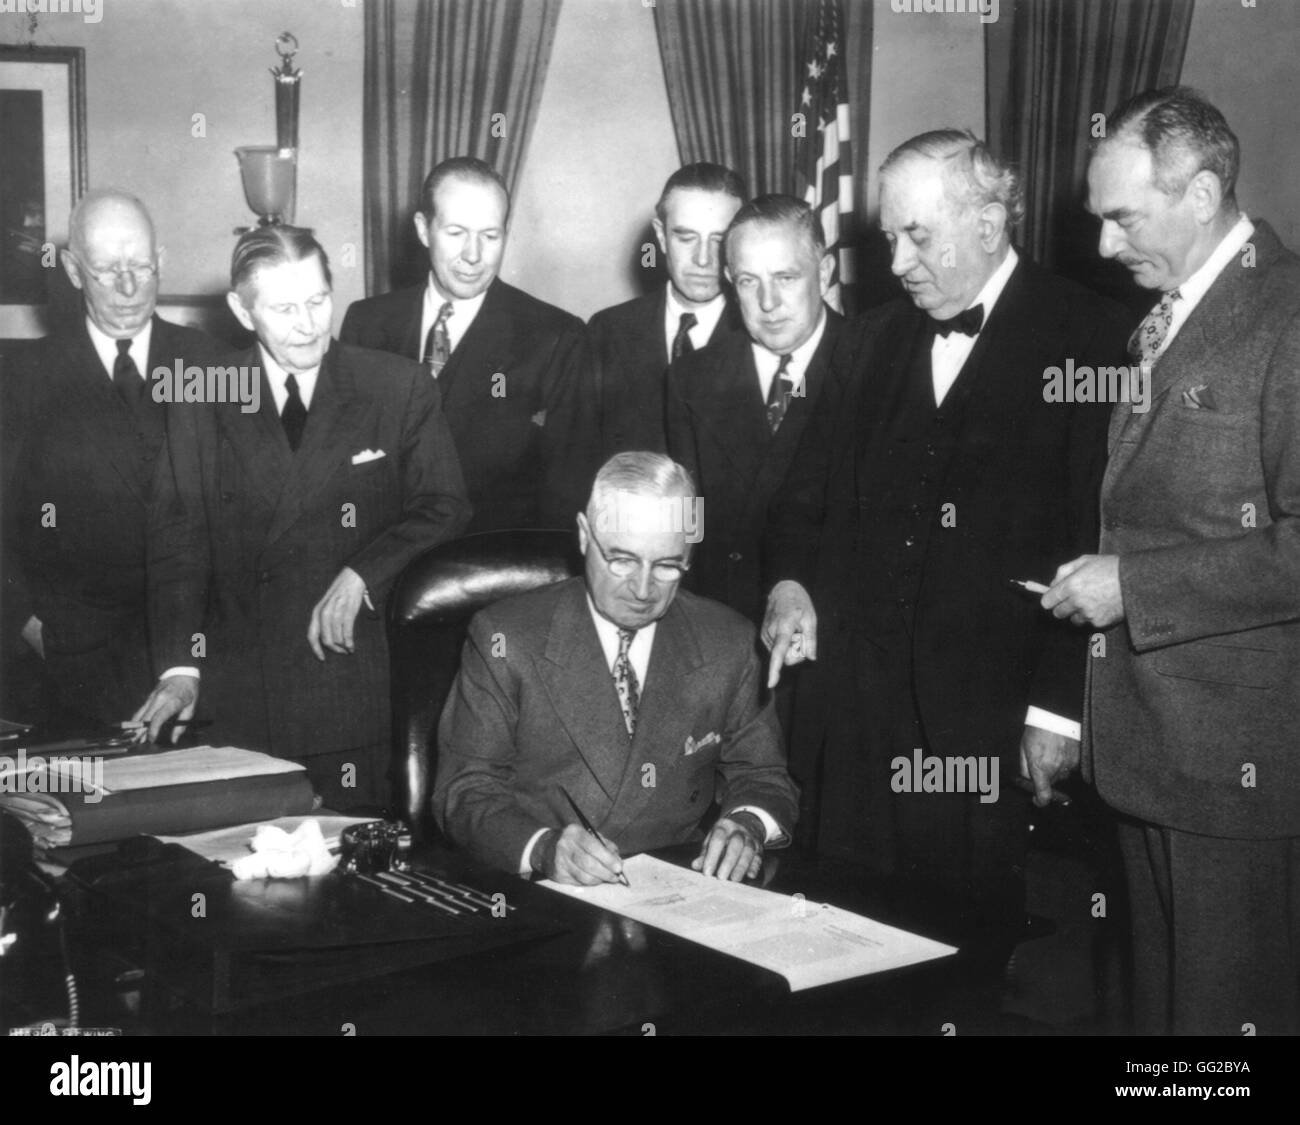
(807, 943)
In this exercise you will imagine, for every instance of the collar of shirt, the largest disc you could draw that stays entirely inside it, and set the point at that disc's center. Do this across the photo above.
(276, 376)
(948, 354)
(1195, 287)
(462, 315)
(638, 651)
(706, 319)
(767, 362)
(106, 347)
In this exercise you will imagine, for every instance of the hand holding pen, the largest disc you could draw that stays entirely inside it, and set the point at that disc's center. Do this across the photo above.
(580, 854)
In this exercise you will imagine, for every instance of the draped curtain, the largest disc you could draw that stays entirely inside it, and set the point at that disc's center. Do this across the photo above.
(443, 78)
(1052, 65)
(732, 72)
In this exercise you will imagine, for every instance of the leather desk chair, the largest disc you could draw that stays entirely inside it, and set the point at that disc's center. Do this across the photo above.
(428, 616)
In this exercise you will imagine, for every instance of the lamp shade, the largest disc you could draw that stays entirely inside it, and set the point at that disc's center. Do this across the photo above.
(268, 176)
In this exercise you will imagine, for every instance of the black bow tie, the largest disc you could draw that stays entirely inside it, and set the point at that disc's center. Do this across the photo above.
(968, 322)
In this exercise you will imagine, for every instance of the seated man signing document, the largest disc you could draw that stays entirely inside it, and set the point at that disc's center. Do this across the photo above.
(618, 695)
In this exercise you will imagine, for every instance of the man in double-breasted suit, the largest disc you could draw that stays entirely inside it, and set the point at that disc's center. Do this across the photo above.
(737, 409)
(938, 467)
(278, 531)
(510, 368)
(1193, 718)
(639, 701)
(632, 344)
(82, 434)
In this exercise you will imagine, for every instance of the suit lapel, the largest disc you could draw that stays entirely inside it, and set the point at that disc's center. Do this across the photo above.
(663, 725)
(258, 442)
(574, 663)
(106, 418)
(729, 406)
(485, 346)
(406, 322)
(331, 427)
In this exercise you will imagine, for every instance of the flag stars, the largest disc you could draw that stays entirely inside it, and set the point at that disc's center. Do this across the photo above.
(814, 70)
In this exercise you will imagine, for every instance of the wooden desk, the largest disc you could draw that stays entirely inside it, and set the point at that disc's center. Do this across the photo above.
(585, 971)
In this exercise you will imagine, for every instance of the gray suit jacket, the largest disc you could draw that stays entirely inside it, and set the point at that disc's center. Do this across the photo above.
(534, 708)
(1193, 715)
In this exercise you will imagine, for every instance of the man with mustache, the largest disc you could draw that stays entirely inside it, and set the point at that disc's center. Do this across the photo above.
(1192, 722)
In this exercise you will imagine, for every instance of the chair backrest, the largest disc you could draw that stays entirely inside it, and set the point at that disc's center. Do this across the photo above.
(428, 616)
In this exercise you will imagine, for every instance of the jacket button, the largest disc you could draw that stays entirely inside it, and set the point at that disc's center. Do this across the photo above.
(735, 556)
(264, 576)
(910, 541)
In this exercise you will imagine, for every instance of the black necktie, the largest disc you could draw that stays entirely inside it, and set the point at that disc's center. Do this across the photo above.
(126, 376)
(968, 322)
(778, 395)
(294, 415)
(682, 341)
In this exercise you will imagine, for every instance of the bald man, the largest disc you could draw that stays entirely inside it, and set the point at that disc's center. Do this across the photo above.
(81, 435)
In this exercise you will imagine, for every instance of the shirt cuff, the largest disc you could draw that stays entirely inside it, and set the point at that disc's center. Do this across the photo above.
(772, 830)
(526, 863)
(1057, 724)
(180, 671)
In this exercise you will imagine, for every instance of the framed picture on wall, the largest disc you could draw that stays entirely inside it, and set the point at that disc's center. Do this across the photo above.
(42, 175)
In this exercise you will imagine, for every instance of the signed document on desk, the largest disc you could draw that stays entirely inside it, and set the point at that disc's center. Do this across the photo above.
(807, 943)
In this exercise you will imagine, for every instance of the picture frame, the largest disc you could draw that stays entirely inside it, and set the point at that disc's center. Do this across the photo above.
(43, 126)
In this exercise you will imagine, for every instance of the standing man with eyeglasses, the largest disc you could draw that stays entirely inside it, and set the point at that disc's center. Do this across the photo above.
(637, 700)
(82, 434)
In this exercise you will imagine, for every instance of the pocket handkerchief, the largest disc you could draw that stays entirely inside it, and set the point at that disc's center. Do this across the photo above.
(693, 747)
(367, 455)
(1200, 397)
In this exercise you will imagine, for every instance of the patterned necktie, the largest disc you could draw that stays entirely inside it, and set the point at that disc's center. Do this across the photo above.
(682, 341)
(126, 376)
(629, 691)
(778, 395)
(437, 344)
(294, 415)
(1149, 336)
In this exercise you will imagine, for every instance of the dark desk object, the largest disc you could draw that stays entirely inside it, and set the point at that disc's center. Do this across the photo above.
(428, 615)
(306, 957)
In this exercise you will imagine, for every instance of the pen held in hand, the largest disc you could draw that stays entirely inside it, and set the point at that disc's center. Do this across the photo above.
(586, 824)
(1029, 586)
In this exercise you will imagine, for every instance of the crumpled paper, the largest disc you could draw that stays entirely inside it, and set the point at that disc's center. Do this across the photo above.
(278, 854)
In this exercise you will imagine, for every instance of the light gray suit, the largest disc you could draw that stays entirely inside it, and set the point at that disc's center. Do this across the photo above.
(1193, 720)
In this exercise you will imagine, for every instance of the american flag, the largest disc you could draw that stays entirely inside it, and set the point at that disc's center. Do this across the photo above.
(823, 157)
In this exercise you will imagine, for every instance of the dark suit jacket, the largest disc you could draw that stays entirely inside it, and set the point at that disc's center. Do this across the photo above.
(1023, 480)
(1202, 505)
(516, 398)
(717, 428)
(534, 708)
(630, 359)
(70, 441)
(248, 536)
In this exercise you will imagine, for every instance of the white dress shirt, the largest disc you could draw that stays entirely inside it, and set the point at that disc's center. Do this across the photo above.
(106, 348)
(948, 354)
(638, 654)
(767, 362)
(706, 319)
(462, 315)
(277, 376)
(1195, 287)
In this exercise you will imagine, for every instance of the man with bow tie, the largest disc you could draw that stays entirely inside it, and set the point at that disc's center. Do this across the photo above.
(1193, 725)
(277, 534)
(620, 694)
(933, 472)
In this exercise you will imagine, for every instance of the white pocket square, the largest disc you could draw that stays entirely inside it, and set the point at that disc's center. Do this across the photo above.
(367, 455)
(693, 747)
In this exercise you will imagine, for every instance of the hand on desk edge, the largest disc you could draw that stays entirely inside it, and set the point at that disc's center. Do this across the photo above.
(175, 695)
(733, 849)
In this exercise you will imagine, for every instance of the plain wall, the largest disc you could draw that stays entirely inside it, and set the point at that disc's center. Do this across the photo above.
(1245, 61)
(152, 64)
(602, 146)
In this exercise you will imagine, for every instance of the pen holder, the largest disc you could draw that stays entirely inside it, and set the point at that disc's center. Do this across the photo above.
(380, 845)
